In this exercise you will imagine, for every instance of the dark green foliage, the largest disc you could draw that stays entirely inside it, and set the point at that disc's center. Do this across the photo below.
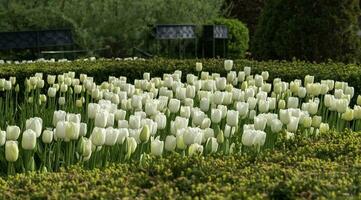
(293, 170)
(248, 11)
(238, 37)
(308, 30)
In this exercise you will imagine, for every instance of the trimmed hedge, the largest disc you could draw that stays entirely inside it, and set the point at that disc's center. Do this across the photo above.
(327, 167)
(101, 69)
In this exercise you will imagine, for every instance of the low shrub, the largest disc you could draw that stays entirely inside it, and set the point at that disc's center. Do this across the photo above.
(238, 37)
(101, 69)
(292, 170)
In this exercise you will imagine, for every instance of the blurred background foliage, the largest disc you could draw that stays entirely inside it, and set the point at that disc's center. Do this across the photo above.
(120, 25)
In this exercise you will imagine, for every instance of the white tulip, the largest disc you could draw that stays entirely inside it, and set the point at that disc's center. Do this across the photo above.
(174, 105)
(199, 66)
(260, 123)
(123, 133)
(195, 149)
(292, 102)
(216, 115)
(35, 124)
(28, 141)
(185, 111)
(12, 132)
(170, 143)
(293, 124)
(98, 136)
(47, 136)
(101, 118)
(111, 136)
(276, 126)
(134, 121)
(228, 65)
(232, 117)
(156, 147)
(11, 151)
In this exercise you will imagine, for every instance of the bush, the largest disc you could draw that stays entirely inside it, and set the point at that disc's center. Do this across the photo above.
(329, 167)
(308, 30)
(238, 37)
(101, 69)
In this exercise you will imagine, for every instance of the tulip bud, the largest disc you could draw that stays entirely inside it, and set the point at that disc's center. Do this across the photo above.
(61, 101)
(348, 115)
(111, 136)
(28, 141)
(232, 118)
(199, 66)
(316, 121)
(195, 149)
(170, 143)
(284, 116)
(12, 132)
(281, 104)
(211, 145)
(180, 142)
(156, 147)
(228, 65)
(86, 147)
(11, 151)
(293, 124)
(144, 134)
(47, 136)
(98, 136)
(324, 128)
(292, 102)
(174, 105)
(2, 137)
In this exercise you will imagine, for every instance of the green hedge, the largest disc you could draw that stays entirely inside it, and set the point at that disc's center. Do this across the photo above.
(134, 69)
(327, 167)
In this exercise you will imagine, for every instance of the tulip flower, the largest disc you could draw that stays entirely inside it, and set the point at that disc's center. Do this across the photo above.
(47, 136)
(228, 65)
(28, 141)
(11, 151)
(98, 136)
(12, 133)
(156, 147)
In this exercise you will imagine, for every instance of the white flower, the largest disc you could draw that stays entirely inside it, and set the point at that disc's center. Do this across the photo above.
(35, 124)
(185, 111)
(12, 132)
(232, 117)
(98, 136)
(199, 66)
(204, 104)
(174, 105)
(293, 124)
(170, 143)
(260, 123)
(58, 116)
(111, 136)
(123, 133)
(284, 116)
(47, 136)
(11, 151)
(72, 131)
(28, 141)
(156, 147)
(292, 102)
(216, 115)
(134, 121)
(276, 126)
(228, 65)
(195, 149)
(212, 145)
(101, 118)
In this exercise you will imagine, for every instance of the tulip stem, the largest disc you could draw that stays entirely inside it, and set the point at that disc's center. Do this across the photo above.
(11, 168)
